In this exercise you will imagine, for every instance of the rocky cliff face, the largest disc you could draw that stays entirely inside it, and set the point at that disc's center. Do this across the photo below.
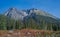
(15, 14)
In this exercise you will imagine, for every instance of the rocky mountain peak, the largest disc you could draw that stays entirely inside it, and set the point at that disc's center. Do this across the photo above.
(20, 14)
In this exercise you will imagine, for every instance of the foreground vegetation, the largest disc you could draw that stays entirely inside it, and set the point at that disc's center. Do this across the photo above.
(29, 33)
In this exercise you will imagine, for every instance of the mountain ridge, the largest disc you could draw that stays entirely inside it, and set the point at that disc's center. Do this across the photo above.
(13, 13)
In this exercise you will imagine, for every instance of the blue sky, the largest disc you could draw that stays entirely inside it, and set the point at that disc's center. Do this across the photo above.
(51, 6)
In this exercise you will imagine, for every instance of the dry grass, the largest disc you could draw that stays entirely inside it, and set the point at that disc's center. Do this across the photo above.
(28, 33)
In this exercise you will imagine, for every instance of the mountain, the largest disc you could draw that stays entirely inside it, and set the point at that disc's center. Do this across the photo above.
(20, 14)
(32, 18)
(40, 12)
(15, 14)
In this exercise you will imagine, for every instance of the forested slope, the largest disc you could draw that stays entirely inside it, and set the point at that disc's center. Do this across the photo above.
(37, 22)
